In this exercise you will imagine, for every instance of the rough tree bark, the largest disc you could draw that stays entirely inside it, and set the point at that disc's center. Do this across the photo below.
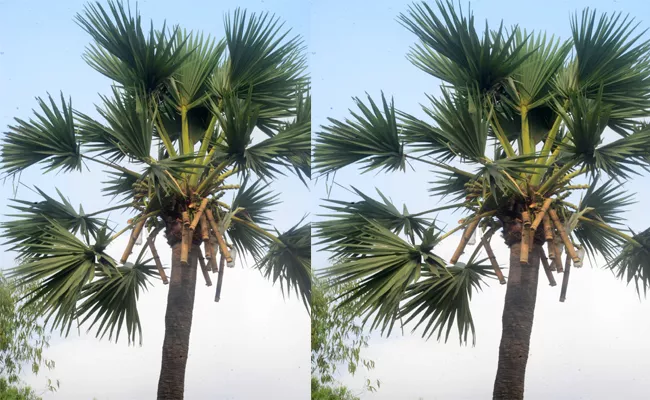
(518, 313)
(178, 319)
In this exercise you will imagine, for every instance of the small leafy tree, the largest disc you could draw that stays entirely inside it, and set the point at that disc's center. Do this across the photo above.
(23, 339)
(337, 339)
(518, 140)
(183, 120)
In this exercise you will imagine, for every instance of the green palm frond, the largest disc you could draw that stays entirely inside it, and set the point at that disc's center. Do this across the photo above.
(60, 266)
(190, 84)
(237, 119)
(424, 137)
(164, 176)
(119, 185)
(451, 184)
(585, 123)
(130, 118)
(624, 157)
(288, 261)
(30, 226)
(534, 78)
(372, 138)
(451, 49)
(112, 299)
(123, 52)
(266, 62)
(387, 266)
(442, 298)
(605, 203)
(254, 202)
(346, 224)
(463, 124)
(49, 139)
(612, 58)
(633, 262)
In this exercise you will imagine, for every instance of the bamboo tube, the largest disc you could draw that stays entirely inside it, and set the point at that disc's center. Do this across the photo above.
(525, 237)
(540, 216)
(217, 295)
(213, 253)
(558, 257)
(571, 251)
(199, 214)
(204, 269)
(134, 236)
(217, 234)
(565, 278)
(156, 258)
(493, 260)
(185, 236)
(547, 268)
(209, 252)
(463, 241)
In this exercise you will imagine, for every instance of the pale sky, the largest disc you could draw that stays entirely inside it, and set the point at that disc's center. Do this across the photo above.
(253, 344)
(593, 346)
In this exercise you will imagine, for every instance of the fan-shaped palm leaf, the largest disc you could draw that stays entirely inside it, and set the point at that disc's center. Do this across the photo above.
(123, 52)
(371, 138)
(48, 139)
(289, 261)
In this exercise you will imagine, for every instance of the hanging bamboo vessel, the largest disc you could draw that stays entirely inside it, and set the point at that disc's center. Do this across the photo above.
(558, 255)
(156, 258)
(185, 238)
(547, 267)
(209, 251)
(493, 260)
(215, 230)
(204, 269)
(199, 214)
(571, 251)
(464, 239)
(134, 236)
(541, 214)
(217, 294)
(565, 278)
(525, 237)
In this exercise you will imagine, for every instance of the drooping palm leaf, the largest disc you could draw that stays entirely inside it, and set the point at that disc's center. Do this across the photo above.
(288, 261)
(255, 202)
(372, 139)
(442, 298)
(49, 139)
(60, 265)
(633, 262)
(112, 299)
(346, 224)
(382, 265)
(31, 224)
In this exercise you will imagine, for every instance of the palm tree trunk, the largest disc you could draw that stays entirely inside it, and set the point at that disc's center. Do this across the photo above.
(518, 312)
(178, 323)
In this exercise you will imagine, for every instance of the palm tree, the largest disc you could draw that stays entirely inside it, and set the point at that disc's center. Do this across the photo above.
(180, 125)
(517, 138)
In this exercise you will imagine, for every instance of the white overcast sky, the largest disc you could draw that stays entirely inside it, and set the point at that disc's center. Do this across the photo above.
(253, 344)
(593, 346)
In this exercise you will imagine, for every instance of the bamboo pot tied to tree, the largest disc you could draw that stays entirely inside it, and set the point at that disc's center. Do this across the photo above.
(178, 136)
(516, 137)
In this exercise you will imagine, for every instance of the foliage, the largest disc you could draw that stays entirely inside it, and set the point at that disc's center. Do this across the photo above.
(522, 120)
(337, 339)
(189, 118)
(23, 339)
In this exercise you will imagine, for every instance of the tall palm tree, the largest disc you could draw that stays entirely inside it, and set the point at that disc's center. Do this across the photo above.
(518, 139)
(176, 131)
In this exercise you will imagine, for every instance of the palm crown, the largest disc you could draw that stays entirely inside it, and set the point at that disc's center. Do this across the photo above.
(518, 133)
(176, 130)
